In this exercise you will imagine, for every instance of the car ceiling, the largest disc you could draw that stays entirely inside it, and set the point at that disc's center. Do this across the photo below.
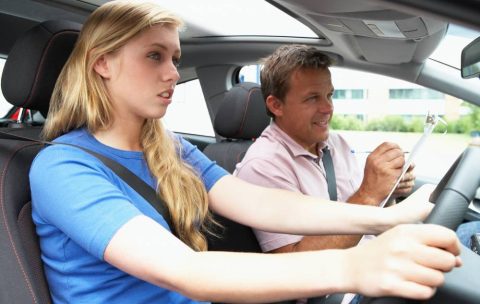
(348, 30)
(372, 33)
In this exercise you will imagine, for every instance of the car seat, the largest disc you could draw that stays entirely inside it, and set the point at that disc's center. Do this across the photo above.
(29, 76)
(240, 119)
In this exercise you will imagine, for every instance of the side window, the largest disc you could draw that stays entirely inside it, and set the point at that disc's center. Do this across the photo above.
(187, 114)
(188, 111)
(370, 109)
(250, 73)
(4, 105)
(8, 112)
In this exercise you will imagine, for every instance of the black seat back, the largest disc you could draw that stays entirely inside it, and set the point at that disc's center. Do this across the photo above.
(240, 120)
(29, 76)
(23, 280)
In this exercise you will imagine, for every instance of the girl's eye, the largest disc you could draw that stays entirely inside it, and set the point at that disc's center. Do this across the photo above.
(176, 62)
(154, 56)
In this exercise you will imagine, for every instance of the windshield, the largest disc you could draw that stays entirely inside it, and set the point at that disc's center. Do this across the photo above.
(232, 18)
(450, 49)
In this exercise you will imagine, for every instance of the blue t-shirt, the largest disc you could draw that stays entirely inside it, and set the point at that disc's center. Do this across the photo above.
(78, 204)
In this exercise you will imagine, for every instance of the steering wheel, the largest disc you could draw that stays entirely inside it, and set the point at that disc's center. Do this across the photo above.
(452, 197)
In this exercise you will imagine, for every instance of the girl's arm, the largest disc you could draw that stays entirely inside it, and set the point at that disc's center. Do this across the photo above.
(284, 211)
(403, 262)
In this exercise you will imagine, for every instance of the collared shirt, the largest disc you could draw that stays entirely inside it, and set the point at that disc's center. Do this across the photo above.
(275, 160)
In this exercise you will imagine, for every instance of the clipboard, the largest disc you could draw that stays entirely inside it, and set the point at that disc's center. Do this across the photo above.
(430, 122)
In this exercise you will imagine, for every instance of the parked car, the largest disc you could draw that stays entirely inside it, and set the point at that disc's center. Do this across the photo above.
(414, 46)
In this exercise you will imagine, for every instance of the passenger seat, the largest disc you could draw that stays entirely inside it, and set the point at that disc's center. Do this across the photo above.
(241, 119)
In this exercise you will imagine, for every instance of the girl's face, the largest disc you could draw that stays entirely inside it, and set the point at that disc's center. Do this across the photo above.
(140, 77)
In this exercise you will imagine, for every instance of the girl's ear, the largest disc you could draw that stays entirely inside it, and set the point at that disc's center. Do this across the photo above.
(274, 105)
(101, 67)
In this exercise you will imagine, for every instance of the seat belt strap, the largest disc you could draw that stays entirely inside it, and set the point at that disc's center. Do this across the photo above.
(141, 187)
(332, 193)
(137, 184)
(330, 174)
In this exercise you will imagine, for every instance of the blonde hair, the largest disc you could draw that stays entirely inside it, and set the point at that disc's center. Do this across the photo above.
(80, 99)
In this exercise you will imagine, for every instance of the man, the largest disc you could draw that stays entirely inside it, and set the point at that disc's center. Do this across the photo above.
(298, 90)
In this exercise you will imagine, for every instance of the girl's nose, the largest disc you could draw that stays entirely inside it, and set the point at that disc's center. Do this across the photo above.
(171, 73)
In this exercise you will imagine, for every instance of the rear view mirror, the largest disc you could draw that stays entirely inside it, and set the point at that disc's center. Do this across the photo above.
(471, 59)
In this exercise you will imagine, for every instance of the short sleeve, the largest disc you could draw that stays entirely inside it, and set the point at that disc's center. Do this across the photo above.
(266, 173)
(75, 193)
(207, 169)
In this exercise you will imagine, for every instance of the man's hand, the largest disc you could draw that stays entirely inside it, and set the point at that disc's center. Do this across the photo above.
(383, 167)
(405, 186)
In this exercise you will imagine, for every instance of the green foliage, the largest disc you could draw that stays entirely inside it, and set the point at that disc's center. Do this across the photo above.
(416, 125)
(389, 124)
(464, 125)
(345, 122)
(475, 116)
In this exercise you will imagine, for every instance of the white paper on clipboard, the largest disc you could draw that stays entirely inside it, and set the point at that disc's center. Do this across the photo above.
(430, 123)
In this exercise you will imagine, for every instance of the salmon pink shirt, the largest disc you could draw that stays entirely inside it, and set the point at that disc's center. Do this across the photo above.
(275, 160)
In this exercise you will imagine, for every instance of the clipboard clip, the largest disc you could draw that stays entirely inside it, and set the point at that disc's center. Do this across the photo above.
(432, 120)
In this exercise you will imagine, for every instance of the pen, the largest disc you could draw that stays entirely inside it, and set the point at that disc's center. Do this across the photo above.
(368, 152)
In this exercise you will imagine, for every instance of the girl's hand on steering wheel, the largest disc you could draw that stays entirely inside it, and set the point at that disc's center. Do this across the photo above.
(407, 261)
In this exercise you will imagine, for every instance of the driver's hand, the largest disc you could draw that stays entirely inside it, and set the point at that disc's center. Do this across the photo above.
(405, 186)
(407, 261)
(415, 208)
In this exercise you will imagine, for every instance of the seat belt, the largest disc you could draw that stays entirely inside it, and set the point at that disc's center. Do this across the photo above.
(141, 187)
(330, 174)
(332, 193)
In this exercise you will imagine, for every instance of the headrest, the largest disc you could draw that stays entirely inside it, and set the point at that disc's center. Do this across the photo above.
(35, 61)
(242, 114)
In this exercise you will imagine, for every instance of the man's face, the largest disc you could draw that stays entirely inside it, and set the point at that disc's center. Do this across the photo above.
(307, 108)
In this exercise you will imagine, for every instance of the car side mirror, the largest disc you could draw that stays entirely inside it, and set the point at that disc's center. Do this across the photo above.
(470, 60)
